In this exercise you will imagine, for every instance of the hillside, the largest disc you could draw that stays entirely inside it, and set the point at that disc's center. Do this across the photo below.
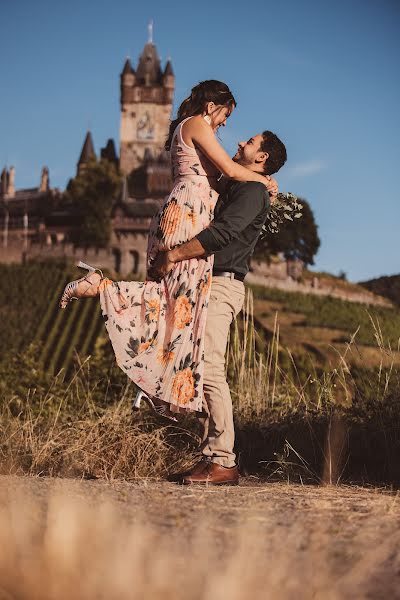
(322, 327)
(387, 286)
(314, 326)
(29, 313)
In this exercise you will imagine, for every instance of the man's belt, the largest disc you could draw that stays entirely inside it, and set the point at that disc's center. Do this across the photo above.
(230, 274)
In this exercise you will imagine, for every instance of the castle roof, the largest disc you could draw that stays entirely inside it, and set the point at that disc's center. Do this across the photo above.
(168, 68)
(128, 69)
(109, 152)
(149, 68)
(87, 150)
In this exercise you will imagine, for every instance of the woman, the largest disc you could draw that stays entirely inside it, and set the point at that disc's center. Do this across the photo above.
(156, 328)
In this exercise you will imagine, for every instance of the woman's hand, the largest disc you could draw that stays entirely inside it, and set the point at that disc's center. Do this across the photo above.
(272, 187)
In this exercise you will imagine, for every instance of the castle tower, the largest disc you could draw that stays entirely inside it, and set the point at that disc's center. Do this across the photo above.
(146, 106)
(44, 180)
(11, 183)
(87, 154)
(4, 182)
(109, 153)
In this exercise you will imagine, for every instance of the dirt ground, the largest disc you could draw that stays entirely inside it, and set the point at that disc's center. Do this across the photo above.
(266, 540)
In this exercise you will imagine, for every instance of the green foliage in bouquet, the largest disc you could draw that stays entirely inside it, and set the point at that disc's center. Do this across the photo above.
(290, 229)
(285, 208)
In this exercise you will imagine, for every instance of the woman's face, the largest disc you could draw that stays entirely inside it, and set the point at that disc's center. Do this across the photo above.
(219, 114)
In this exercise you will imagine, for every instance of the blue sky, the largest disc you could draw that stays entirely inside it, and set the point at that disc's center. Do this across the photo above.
(322, 75)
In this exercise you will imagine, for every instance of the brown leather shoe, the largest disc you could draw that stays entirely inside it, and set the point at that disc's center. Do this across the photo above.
(197, 468)
(213, 474)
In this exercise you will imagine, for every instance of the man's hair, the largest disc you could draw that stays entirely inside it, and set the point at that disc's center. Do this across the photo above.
(276, 150)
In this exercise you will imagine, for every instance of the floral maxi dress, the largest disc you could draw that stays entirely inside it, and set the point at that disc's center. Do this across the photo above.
(157, 329)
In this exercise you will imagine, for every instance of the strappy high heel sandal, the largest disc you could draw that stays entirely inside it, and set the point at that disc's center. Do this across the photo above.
(159, 410)
(71, 289)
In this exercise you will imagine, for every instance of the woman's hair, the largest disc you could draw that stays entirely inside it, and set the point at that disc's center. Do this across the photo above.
(205, 91)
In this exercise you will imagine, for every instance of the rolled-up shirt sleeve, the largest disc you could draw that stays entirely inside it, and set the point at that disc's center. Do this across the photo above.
(248, 200)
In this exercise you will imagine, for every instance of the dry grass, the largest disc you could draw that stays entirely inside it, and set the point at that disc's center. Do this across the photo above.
(90, 541)
(66, 431)
(321, 342)
(260, 382)
(108, 445)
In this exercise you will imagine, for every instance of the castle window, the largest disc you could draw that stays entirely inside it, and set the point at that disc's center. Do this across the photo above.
(117, 259)
(135, 261)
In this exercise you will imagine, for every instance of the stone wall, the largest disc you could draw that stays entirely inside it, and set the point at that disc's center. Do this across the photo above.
(126, 255)
(320, 289)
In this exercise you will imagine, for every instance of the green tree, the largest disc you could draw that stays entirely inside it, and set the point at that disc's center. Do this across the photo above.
(92, 194)
(297, 239)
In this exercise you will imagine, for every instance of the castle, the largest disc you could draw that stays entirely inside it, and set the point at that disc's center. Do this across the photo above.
(37, 222)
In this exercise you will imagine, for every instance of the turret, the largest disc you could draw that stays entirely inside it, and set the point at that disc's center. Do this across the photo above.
(128, 71)
(87, 154)
(168, 76)
(169, 81)
(109, 153)
(44, 180)
(4, 182)
(128, 81)
(11, 183)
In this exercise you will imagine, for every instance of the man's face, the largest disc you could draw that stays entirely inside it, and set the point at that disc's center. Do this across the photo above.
(249, 153)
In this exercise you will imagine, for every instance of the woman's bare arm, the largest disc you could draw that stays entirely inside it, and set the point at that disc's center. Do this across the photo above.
(198, 132)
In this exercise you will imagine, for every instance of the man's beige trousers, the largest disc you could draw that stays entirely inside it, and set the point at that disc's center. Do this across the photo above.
(226, 301)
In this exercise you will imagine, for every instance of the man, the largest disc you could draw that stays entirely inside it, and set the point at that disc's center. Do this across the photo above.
(240, 214)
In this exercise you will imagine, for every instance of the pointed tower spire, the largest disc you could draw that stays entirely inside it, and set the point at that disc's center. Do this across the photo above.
(87, 153)
(168, 68)
(169, 80)
(150, 31)
(149, 71)
(109, 153)
(128, 69)
(4, 182)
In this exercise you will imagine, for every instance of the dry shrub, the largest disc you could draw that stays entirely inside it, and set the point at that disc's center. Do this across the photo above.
(110, 444)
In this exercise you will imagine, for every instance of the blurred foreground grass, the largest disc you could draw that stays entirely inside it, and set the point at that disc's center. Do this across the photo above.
(66, 539)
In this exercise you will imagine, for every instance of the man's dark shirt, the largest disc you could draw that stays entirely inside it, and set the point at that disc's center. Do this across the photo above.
(239, 215)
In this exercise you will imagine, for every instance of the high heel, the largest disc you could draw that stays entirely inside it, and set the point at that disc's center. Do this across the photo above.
(71, 289)
(160, 411)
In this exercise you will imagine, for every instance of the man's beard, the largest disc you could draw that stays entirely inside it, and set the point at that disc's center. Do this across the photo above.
(242, 160)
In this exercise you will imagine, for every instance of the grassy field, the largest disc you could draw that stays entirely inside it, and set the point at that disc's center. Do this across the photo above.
(342, 317)
(308, 409)
(309, 325)
(29, 312)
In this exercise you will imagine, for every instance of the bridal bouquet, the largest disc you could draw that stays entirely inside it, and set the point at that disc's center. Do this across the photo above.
(286, 207)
